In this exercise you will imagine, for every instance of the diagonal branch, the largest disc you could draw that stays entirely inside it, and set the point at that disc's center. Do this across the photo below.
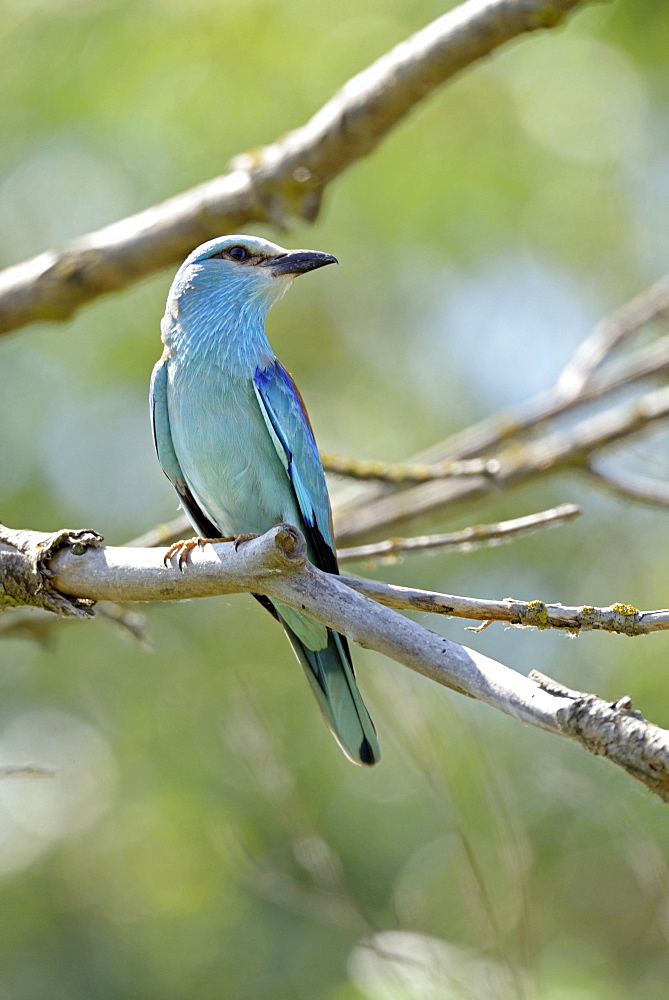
(519, 462)
(275, 565)
(650, 361)
(278, 182)
(569, 393)
(467, 538)
(630, 485)
(578, 374)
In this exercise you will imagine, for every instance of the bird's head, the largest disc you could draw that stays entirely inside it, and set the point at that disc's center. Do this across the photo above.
(247, 268)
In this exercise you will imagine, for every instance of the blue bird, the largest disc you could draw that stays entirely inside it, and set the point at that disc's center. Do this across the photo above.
(233, 437)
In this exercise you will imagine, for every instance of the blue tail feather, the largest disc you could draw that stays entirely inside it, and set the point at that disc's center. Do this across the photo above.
(332, 679)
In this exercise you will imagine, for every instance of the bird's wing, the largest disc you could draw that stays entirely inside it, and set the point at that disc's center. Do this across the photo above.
(162, 439)
(288, 424)
(326, 660)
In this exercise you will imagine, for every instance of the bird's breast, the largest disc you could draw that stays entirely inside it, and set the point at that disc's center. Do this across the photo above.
(225, 451)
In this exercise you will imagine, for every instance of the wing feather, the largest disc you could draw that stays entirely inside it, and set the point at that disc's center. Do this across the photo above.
(290, 429)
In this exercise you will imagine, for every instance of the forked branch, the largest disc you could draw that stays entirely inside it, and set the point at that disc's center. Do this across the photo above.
(519, 462)
(275, 565)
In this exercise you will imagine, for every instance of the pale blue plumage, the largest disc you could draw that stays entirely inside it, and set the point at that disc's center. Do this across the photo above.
(233, 437)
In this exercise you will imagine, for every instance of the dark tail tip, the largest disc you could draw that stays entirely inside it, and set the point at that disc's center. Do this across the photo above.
(366, 753)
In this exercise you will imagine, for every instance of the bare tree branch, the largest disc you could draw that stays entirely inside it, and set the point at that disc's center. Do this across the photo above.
(162, 534)
(25, 771)
(275, 565)
(399, 473)
(520, 462)
(621, 618)
(608, 334)
(486, 437)
(616, 731)
(630, 485)
(467, 538)
(31, 621)
(25, 577)
(281, 181)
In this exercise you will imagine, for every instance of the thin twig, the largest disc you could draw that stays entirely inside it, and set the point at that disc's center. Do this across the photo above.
(162, 534)
(278, 182)
(25, 771)
(42, 626)
(130, 622)
(630, 485)
(467, 538)
(513, 423)
(409, 472)
(492, 432)
(621, 618)
(519, 463)
(609, 333)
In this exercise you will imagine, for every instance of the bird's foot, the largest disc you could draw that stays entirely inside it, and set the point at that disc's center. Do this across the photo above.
(240, 539)
(183, 548)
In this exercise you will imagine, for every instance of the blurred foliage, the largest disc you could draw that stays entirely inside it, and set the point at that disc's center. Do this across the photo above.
(204, 837)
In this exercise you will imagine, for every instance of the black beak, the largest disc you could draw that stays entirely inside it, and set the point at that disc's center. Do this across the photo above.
(298, 262)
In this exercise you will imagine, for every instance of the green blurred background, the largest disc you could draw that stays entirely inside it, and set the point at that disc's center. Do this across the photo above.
(204, 837)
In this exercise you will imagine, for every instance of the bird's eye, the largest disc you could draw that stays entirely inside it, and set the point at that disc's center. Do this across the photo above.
(238, 253)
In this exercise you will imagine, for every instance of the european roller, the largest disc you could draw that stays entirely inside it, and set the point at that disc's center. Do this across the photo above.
(234, 439)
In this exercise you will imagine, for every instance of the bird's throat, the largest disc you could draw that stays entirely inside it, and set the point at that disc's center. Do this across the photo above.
(227, 335)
